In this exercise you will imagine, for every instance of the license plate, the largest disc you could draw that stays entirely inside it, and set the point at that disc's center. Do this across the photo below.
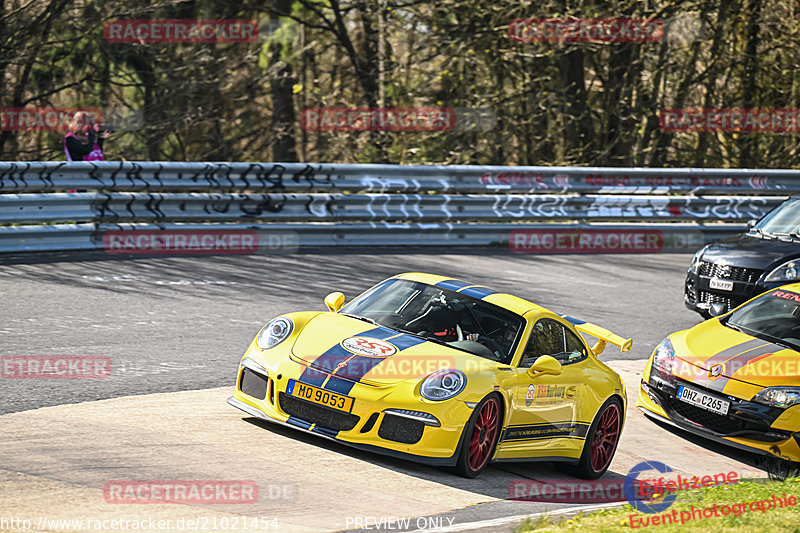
(704, 401)
(721, 284)
(320, 396)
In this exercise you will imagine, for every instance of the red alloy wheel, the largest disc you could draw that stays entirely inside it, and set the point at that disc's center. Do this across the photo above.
(484, 434)
(605, 438)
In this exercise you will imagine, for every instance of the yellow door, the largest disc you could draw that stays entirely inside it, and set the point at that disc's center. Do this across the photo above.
(544, 417)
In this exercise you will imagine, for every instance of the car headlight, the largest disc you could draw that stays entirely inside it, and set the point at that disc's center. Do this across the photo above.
(778, 396)
(443, 384)
(274, 333)
(695, 266)
(789, 271)
(664, 356)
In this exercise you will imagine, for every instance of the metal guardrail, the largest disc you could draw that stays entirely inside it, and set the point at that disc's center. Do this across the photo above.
(213, 207)
(301, 177)
(70, 206)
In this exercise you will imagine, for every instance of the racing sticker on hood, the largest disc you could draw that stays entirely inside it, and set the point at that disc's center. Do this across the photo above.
(324, 365)
(357, 366)
(369, 347)
(342, 365)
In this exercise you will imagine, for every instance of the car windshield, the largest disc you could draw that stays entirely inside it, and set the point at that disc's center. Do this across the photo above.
(785, 219)
(441, 315)
(774, 317)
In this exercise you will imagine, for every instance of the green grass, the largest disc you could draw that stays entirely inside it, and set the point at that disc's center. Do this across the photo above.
(751, 521)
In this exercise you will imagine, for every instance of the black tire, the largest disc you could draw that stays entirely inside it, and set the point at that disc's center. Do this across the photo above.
(477, 442)
(600, 445)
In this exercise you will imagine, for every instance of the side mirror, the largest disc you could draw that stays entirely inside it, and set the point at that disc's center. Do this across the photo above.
(545, 364)
(334, 301)
(752, 222)
(717, 309)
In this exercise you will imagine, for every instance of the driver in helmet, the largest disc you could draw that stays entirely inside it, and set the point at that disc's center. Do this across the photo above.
(500, 345)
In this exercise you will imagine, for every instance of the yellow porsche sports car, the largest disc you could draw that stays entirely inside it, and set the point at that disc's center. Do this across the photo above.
(443, 372)
(735, 378)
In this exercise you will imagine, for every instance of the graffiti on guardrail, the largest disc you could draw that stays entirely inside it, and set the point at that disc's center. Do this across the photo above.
(124, 176)
(398, 184)
(301, 177)
(113, 207)
(729, 208)
(723, 208)
(367, 204)
(394, 207)
(276, 176)
(616, 182)
(542, 206)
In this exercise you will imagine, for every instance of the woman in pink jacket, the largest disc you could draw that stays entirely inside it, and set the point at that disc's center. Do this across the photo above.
(84, 142)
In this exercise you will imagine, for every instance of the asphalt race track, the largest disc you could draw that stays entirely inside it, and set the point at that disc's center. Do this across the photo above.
(174, 329)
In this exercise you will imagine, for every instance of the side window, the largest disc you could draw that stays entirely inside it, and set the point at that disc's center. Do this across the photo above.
(576, 351)
(551, 338)
(546, 338)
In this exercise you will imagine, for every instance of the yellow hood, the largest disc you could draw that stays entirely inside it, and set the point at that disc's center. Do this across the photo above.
(359, 351)
(714, 356)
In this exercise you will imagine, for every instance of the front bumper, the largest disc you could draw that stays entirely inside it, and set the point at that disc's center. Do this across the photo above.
(748, 425)
(389, 420)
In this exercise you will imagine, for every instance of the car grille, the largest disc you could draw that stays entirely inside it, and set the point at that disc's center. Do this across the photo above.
(718, 423)
(370, 423)
(401, 429)
(730, 303)
(725, 424)
(253, 384)
(317, 414)
(713, 270)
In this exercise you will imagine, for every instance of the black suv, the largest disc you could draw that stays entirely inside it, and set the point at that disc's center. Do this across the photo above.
(730, 272)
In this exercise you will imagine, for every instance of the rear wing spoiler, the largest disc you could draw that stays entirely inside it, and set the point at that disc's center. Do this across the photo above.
(602, 334)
